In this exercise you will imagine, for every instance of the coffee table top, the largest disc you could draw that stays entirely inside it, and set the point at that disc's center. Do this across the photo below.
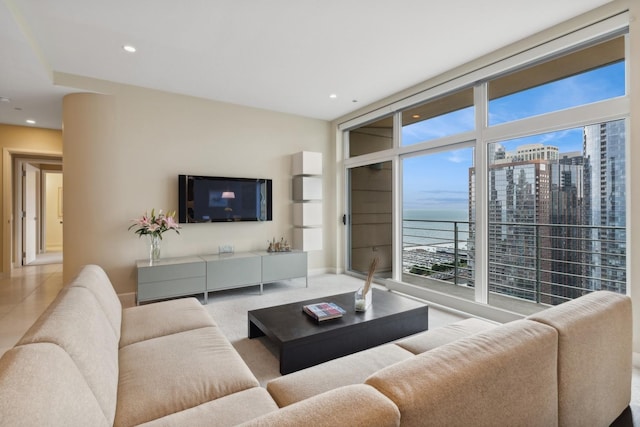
(287, 322)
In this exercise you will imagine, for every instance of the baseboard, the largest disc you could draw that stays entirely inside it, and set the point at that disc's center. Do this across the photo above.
(319, 271)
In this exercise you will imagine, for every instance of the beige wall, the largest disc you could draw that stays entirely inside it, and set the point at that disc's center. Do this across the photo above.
(20, 140)
(123, 154)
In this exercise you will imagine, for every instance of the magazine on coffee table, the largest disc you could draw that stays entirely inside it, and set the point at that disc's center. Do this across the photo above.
(323, 311)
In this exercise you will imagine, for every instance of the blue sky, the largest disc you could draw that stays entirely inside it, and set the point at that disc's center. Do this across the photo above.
(440, 181)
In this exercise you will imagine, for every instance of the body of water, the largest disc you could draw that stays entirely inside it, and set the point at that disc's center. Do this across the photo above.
(427, 227)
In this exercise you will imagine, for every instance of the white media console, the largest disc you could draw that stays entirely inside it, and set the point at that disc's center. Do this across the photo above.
(173, 277)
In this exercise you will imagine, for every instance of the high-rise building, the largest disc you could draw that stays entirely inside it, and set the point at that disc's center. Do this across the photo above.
(605, 204)
(518, 202)
(569, 241)
(557, 220)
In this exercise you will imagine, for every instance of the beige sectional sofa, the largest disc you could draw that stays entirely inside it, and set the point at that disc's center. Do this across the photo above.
(570, 365)
(89, 362)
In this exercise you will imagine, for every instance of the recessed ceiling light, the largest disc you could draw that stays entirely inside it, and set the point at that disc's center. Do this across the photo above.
(416, 116)
(31, 121)
(4, 99)
(333, 96)
(129, 48)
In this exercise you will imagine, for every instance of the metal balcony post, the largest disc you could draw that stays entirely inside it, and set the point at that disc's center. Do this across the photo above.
(455, 252)
(537, 228)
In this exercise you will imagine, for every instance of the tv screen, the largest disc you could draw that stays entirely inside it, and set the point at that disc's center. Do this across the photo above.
(220, 199)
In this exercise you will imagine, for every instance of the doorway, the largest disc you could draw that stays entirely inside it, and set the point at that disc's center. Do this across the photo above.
(38, 210)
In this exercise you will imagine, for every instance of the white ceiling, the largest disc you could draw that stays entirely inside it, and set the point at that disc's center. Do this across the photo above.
(282, 55)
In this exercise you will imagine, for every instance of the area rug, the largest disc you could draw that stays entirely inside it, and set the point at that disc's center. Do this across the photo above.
(229, 309)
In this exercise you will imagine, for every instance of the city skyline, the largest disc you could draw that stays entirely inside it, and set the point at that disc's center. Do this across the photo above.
(423, 186)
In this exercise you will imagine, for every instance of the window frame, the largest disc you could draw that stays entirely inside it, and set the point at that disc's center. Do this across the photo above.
(598, 112)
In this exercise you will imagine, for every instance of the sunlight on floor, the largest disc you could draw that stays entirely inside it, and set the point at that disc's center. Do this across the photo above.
(24, 294)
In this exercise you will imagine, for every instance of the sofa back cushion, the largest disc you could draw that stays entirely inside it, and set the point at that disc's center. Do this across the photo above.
(144, 322)
(95, 279)
(505, 376)
(594, 357)
(76, 323)
(41, 386)
(355, 405)
(168, 374)
(428, 340)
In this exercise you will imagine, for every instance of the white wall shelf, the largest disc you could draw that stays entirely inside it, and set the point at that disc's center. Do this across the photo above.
(306, 168)
(306, 214)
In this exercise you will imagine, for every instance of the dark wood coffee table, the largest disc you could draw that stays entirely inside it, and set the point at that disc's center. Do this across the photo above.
(303, 342)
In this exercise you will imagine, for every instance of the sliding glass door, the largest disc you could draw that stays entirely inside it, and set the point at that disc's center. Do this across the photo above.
(370, 218)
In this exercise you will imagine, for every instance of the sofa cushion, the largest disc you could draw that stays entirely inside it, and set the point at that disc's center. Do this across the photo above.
(595, 357)
(162, 318)
(504, 376)
(428, 340)
(76, 322)
(175, 372)
(351, 369)
(96, 280)
(229, 410)
(41, 386)
(354, 405)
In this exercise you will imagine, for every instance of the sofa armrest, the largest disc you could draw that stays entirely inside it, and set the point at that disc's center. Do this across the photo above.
(594, 356)
(40, 385)
(503, 377)
(353, 405)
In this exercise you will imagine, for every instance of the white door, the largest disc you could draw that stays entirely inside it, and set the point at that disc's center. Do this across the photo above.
(29, 218)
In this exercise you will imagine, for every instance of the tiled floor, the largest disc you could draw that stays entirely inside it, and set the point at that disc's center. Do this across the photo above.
(24, 295)
(28, 291)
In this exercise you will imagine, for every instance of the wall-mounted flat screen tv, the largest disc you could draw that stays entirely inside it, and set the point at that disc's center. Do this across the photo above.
(220, 199)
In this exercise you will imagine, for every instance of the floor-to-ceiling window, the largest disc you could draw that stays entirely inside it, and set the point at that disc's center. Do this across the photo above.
(437, 246)
(436, 208)
(557, 214)
(508, 189)
(556, 199)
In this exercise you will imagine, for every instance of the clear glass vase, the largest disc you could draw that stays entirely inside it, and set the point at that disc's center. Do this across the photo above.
(154, 247)
(363, 302)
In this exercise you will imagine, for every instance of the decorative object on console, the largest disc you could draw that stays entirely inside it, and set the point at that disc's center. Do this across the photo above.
(154, 248)
(153, 226)
(363, 298)
(225, 249)
(281, 246)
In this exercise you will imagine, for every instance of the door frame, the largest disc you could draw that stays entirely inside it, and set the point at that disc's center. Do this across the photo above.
(29, 211)
(9, 193)
(46, 197)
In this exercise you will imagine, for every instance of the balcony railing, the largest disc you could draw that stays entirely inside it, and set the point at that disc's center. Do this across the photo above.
(542, 263)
